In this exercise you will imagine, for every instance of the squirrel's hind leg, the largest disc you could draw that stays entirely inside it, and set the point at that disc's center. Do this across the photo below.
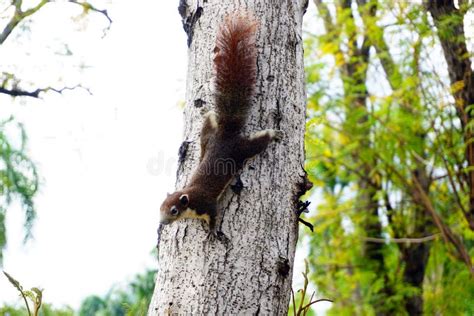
(208, 130)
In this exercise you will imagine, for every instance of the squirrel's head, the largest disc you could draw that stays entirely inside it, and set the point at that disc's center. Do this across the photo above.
(174, 206)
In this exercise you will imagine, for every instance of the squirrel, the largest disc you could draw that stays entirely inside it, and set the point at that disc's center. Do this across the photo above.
(224, 149)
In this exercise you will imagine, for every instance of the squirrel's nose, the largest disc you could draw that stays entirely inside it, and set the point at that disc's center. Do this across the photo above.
(164, 221)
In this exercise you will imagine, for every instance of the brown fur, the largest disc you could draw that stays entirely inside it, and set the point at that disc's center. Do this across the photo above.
(223, 149)
(235, 65)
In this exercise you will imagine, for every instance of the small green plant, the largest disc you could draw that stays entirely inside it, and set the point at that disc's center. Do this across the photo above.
(35, 295)
(303, 307)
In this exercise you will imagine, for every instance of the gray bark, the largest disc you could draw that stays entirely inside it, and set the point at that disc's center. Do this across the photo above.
(252, 273)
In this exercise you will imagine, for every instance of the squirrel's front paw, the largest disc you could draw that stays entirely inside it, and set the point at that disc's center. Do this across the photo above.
(217, 235)
(278, 135)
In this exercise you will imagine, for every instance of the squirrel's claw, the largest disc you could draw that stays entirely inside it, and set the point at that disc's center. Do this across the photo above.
(278, 135)
(212, 236)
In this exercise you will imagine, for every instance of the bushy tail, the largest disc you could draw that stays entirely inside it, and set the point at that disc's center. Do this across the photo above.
(235, 66)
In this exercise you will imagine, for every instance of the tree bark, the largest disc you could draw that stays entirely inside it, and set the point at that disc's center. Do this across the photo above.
(450, 24)
(415, 256)
(252, 273)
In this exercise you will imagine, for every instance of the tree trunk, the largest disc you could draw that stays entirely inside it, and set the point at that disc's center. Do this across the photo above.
(450, 24)
(252, 273)
(415, 256)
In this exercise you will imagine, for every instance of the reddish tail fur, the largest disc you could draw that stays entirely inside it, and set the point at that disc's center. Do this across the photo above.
(235, 66)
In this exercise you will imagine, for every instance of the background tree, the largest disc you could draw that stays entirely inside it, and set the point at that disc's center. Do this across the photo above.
(18, 175)
(18, 178)
(252, 273)
(389, 146)
(46, 310)
(133, 299)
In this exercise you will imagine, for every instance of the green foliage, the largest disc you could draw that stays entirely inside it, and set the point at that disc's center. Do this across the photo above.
(13, 311)
(35, 296)
(46, 310)
(451, 289)
(300, 304)
(92, 305)
(386, 153)
(18, 176)
(131, 300)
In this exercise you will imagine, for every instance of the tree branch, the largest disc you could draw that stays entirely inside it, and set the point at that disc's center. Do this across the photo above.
(326, 16)
(307, 224)
(404, 240)
(333, 30)
(448, 236)
(447, 232)
(87, 6)
(375, 38)
(36, 93)
(20, 15)
(17, 17)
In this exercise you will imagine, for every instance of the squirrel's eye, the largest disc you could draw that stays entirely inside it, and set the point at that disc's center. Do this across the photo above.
(174, 211)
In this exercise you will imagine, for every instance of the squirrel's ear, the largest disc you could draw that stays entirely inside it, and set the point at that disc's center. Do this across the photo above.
(184, 199)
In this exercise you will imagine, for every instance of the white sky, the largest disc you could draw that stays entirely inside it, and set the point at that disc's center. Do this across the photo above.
(102, 159)
(106, 161)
